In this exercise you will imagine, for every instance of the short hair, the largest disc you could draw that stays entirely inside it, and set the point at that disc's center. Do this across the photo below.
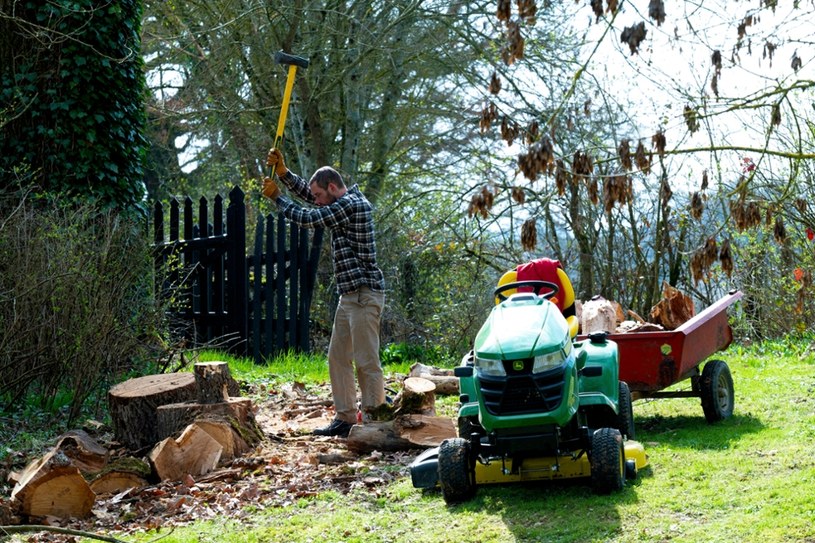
(326, 175)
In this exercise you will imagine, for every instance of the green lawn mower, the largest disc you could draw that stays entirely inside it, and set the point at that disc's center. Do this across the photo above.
(535, 403)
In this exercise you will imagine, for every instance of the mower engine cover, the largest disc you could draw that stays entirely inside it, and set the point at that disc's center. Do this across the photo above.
(525, 366)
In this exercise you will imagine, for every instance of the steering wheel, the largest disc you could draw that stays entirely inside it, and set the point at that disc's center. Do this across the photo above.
(552, 288)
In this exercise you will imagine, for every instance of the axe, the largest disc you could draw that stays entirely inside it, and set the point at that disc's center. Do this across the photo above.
(292, 62)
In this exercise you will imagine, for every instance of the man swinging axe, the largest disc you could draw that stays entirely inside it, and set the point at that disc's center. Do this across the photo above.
(349, 216)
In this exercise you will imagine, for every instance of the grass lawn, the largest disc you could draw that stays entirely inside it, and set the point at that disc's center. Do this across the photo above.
(749, 478)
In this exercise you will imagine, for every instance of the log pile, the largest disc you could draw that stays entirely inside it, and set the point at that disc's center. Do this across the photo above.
(211, 426)
(598, 314)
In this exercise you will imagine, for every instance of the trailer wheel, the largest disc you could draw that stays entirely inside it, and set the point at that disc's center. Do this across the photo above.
(626, 412)
(607, 461)
(716, 388)
(456, 470)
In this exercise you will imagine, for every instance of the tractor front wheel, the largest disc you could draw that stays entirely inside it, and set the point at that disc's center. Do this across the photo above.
(456, 470)
(716, 387)
(607, 461)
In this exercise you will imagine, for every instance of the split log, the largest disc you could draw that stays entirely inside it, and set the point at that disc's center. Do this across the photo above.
(233, 444)
(173, 418)
(83, 451)
(416, 397)
(133, 405)
(445, 381)
(674, 309)
(52, 486)
(402, 433)
(598, 315)
(194, 453)
(215, 383)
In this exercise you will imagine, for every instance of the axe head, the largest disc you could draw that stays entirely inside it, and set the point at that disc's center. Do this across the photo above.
(284, 58)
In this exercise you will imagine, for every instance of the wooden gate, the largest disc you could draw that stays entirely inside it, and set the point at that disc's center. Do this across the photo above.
(257, 304)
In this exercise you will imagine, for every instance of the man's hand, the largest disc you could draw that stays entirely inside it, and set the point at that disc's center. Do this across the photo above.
(270, 188)
(275, 160)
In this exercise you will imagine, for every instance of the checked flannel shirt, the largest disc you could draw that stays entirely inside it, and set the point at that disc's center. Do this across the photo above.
(350, 220)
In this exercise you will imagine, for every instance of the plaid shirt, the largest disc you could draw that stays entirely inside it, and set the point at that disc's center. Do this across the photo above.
(350, 220)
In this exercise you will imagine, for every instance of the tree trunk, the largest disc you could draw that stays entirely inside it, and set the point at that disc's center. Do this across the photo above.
(133, 405)
(52, 486)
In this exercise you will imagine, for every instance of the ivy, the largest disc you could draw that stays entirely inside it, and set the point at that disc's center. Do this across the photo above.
(71, 101)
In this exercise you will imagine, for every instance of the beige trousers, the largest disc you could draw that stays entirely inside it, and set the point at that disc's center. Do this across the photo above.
(355, 339)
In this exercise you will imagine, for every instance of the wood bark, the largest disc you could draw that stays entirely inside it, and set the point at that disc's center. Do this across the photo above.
(52, 486)
(133, 405)
(402, 433)
(83, 451)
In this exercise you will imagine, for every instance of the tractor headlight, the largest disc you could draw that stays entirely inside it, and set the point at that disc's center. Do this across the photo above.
(546, 362)
(494, 368)
(549, 361)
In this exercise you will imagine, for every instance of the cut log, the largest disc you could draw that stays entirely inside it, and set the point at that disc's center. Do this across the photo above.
(83, 451)
(114, 482)
(194, 453)
(52, 486)
(674, 309)
(416, 397)
(173, 418)
(215, 383)
(402, 433)
(133, 405)
(598, 315)
(446, 383)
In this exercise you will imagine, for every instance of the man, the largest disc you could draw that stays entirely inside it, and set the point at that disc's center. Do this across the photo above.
(361, 285)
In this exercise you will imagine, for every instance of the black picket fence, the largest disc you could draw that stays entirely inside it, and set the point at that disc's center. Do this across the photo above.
(254, 304)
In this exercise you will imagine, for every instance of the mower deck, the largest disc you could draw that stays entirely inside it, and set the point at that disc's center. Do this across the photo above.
(424, 470)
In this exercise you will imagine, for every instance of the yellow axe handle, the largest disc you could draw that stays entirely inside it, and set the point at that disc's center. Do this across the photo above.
(284, 108)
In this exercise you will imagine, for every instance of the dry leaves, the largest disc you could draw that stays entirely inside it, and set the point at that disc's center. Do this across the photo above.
(633, 36)
(529, 235)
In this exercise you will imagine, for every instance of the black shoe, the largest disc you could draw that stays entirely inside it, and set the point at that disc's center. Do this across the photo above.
(336, 428)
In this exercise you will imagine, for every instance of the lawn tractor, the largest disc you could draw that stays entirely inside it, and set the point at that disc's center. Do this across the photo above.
(535, 403)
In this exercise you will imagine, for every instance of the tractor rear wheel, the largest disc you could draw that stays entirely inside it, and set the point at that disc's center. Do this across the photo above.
(716, 388)
(456, 470)
(607, 461)
(626, 411)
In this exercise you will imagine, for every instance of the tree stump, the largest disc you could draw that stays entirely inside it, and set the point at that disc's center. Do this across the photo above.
(133, 405)
(416, 397)
(83, 451)
(674, 309)
(598, 315)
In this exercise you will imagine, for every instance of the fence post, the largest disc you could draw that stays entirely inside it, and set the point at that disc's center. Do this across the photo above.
(237, 277)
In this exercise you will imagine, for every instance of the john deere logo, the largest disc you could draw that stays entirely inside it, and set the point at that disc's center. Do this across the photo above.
(518, 365)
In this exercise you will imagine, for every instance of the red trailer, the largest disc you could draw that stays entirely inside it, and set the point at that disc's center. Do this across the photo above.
(653, 361)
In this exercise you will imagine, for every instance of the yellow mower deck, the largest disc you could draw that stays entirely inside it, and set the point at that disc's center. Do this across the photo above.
(549, 468)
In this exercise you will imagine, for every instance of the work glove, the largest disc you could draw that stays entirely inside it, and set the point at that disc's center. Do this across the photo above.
(275, 160)
(270, 189)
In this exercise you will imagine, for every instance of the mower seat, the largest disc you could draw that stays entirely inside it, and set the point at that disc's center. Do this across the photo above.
(545, 269)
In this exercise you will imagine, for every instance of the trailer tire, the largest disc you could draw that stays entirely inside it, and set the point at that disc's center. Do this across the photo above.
(626, 412)
(607, 461)
(716, 390)
(456, 470)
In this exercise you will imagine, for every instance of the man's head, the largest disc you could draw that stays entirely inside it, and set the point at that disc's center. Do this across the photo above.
(326, 185)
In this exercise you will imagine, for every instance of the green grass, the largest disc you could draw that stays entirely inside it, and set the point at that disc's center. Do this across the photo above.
(749, 478)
